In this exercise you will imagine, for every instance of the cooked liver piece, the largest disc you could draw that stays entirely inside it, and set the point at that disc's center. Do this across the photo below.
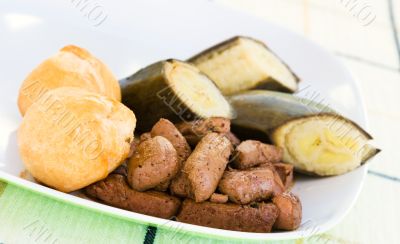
(162, 186)
(229, 216)
(285, 171)
(180, 186)
(251, 185)
(205, 166)
(115, 191)
(290, 214)
(232, 138)
(251, 153)
(154, 162)
(193, 131)
(168, 130)
(121, 170)
(219, 198)
(145, 136)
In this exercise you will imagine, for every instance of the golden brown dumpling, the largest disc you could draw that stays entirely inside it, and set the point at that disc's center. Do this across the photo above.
(71, 138)
(71, 66)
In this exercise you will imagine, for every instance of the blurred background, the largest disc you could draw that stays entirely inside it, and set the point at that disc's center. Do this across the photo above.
(362, 34)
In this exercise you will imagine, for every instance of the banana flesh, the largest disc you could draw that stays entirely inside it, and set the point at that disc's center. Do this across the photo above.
(243, 63)
(323, 144)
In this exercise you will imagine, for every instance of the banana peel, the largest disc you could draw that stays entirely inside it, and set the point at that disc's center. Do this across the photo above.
(262, 111)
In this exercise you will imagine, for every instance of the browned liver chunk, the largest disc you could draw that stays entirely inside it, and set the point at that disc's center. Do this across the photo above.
(121, 170)
(251, 153)
(193, 131)
(290, 212)
(205, 166)
(251, 185)
(168, 130)
(154, 162)
(145, 136)
(180, 186)
(285, 171)
(229, 216)
(232, 138)
(115, 191)
(219, 198)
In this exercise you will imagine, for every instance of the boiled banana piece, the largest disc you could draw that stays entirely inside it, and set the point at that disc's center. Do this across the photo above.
(173, 90)
(243, 63)
(323, 144)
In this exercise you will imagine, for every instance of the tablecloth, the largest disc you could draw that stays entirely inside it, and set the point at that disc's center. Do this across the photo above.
(362, 34)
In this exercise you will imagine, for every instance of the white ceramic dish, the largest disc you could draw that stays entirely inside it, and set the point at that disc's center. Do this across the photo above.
(136, 34)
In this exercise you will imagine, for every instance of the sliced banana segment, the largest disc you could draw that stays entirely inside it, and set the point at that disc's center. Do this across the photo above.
(242, 63)
(173, 90)
(323, 144)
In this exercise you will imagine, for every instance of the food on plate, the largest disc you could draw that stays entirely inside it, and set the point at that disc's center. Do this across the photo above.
(168, 130)
(180, 185)
(121, 170)
(163, 186)
(114, 190)
(243, 63)
(77, 135)
(323, 144)
(206, 164)
(144, 136)
(252, 153)
(263, 111)
(285, 171)
(232, 138)
(290, 211)
(251, 185)
(219, 198)
(154, 162)
(258, 218)
(194, 130)
(71, 138)
(71, 66)
(133, 147)
(173, 90)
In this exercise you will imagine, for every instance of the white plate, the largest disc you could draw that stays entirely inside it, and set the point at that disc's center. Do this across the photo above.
(139, 33)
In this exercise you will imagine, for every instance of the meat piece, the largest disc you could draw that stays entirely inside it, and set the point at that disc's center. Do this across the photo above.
(180, 186)
(232, 138)
(145, 136)
(168, 130)
(252, 153)
(195, 130)
(218, 198)
(229, 216)
(205, 154)
(154, 162)
(290, 212)
(251, 185)
(132, 149)
(285, 172)
(121, 170)
(205, 166)
(163, 186)
(115, 191)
